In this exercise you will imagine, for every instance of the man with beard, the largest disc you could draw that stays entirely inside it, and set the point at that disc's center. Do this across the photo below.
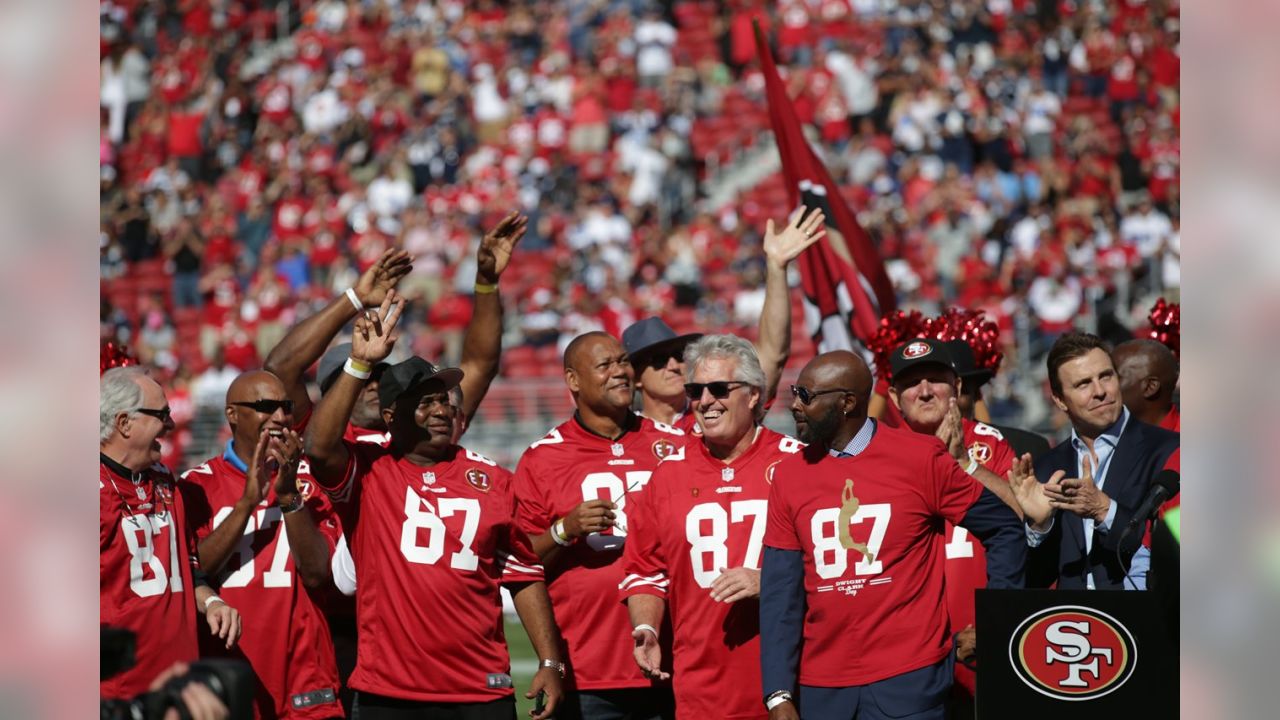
(657, 352)
(434, 541)
(147, 563)
(1098, 476)
(267, 542)
(853, 620)
(573, 489)
(694, 539)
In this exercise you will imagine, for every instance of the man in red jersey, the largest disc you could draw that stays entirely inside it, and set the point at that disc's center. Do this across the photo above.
(147, 561)
(695, 539)
(572, 490)
(1148, 378)
(926, 390)
(657, 352)
(853, 620)
(434, 540)
(266, 541)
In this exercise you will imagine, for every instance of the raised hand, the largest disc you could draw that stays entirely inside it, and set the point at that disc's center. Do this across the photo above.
(496, 248)
(1029, 493)
(648, 654)
(256, 479)
(377, 281)
(951, 432)
(782, 247)
(736, 584)
(590, 516)
(286, 451)
(373, 336)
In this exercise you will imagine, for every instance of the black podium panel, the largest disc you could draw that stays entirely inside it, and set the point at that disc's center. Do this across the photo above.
(1072, 654)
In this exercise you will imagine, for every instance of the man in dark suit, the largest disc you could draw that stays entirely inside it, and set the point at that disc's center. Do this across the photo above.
(1096, 479)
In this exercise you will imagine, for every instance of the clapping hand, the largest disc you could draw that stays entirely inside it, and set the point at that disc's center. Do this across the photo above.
(951, 432)
(1030, 494)
(1079, 495)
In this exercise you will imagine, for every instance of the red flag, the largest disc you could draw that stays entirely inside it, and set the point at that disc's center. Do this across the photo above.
(846, 289)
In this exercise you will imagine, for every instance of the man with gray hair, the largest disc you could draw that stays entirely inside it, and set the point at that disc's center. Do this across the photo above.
(698, 550)
(146, 557)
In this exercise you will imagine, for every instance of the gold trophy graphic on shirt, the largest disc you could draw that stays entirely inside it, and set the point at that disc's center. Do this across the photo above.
(848, 508)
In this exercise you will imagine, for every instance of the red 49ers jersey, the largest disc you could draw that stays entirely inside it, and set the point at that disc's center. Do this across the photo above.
(432, 545)
(285, 637)
(870, 532)
(966, 560)
(696, 516)
(145, 556)
(556, 474)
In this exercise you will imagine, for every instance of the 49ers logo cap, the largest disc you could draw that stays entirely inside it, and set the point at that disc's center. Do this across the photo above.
(919, 351)
(1071, 652)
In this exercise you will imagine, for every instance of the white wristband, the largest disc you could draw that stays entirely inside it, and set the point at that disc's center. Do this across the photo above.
(559, 536)
(351, 295)
(972, 467)
(351, 370)
(211, 600)
(777, 699)
(647, 627)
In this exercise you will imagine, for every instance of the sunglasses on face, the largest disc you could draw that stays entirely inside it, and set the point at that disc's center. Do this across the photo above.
(658, 362)
(163, 414)
(719, 389)
(268, 407)
(806, 395)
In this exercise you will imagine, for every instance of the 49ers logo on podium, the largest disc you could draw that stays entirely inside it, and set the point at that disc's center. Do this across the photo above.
(1072, 652)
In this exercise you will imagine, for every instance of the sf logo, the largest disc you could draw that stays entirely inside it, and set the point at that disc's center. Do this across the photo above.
(1073, 653)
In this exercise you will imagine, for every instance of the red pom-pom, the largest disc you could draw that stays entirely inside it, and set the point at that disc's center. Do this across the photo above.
(1166, 324)
(954, 324)
(894, 330)
(114, 355)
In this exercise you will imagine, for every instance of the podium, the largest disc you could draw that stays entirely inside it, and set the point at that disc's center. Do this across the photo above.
(1049, 654)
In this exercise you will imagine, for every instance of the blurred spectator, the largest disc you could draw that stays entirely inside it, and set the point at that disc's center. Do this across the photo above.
(184, 249)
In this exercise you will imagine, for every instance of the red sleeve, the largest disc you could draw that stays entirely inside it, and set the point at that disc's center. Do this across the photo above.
(780, 531)
(954, 491)
(643, 562)
(1002, 458)
(358, 463)
(532, 513)
(520, 564)
(196, 507)
(326, 518)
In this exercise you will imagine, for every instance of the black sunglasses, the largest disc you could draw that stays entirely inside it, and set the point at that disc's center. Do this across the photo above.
(164, 415)
(268, 407)
(720, 389)
(806, 395)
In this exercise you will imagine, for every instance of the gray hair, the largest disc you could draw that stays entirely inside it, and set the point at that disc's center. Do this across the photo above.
(728, 347)
(118, 392)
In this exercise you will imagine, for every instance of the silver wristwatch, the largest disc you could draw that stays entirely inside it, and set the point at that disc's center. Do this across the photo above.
(554, 665)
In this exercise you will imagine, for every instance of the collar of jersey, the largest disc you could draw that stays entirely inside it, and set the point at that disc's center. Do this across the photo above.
(229, 456)
(742, 459)
(121, 470)
(633, 423)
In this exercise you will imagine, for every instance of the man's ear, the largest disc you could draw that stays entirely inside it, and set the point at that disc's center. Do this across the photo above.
(122, 424)
(893, 396)
(571, 379)
(1057, 402)
(388, 415)
(230, 413)
(1151, 387)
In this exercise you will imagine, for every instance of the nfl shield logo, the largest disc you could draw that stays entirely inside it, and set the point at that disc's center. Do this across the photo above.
(429, 478)
(618, 450)
(142, 494)
(726, 474)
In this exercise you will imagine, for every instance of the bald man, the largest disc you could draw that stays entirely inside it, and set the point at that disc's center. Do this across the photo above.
(572, 489)
(853, 617)
(1148, 378)
(265, 537)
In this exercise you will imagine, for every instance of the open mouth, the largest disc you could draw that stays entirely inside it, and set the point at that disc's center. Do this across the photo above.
(275, 433)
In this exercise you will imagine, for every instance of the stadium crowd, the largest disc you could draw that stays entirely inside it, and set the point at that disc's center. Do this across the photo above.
(257, 160)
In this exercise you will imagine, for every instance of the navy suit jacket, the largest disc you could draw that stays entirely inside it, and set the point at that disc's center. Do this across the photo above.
(1140, 453)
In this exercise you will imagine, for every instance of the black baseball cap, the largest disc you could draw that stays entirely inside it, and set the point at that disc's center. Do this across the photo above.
(919, 351)
(411, 374)
(966, 365)
(331, 364)
(648, 337)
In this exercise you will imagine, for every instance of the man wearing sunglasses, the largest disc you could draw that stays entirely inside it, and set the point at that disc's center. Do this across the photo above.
(574, 487)
(266, 536)
(695, 540)
(150, 580)
(657, 352)
(853, 618)
(434, 541)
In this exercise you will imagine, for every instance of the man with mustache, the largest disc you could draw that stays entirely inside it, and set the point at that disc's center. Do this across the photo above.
(853, 619)
(1096, 479)
(573, 490)
(266, 536)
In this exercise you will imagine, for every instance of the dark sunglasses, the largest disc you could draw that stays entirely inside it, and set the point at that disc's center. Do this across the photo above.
(164, 415)
(268, 407)
(658, 362)
(806, 395)
(719, 389)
